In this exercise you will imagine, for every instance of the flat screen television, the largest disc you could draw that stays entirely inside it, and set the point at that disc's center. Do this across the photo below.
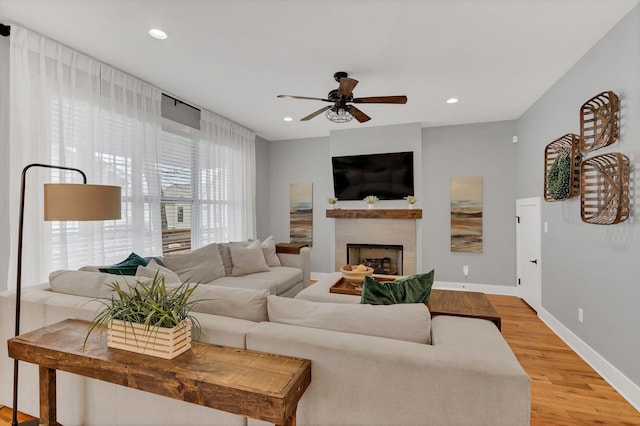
(387, 176)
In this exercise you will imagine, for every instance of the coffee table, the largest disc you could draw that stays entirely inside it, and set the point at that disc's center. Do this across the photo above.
(263, 386)
(332, 287)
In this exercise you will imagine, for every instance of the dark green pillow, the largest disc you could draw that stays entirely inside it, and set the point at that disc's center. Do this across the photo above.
(412, 289)
(127, 266)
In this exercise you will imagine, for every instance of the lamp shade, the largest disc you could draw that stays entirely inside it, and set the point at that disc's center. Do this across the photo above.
(82, 202)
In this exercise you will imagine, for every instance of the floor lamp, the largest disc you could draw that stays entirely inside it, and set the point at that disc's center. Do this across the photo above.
(63, 202)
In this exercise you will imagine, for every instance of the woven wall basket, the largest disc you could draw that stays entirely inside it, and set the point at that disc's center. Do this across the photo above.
(599, 122)
(162, 342)
(604, 193)
(569, 145)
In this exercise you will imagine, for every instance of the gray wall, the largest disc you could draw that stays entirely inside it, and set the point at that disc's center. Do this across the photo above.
(594, 267)
(4, 160)
(263, 205)
(470, 150)
(466, 150)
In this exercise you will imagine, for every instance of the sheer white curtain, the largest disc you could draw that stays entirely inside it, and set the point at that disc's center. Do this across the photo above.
(68, 109)
(226, 162)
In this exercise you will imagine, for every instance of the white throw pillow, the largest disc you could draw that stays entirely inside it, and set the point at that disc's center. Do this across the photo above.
(247, 260)
(153, 268)
(269, 250)
(406, 321)
(202, 265)
(234, 302)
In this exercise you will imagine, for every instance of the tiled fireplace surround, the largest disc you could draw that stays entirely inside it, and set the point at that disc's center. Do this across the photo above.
(375, 230)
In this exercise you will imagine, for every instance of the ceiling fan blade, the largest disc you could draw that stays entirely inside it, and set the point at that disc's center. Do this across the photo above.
(313, 114)
(346, 86)
(303, 97)
(358, 115)
(381, 100)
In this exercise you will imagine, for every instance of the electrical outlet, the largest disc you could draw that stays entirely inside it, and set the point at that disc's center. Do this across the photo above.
(465, 270)
(580, 315)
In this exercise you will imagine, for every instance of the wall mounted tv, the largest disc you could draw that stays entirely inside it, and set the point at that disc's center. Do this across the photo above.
(388, 176)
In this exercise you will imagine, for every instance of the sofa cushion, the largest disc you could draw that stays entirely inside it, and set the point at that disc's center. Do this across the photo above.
(410, 322)
(153, 268)
(87, 283)
(285, 277)
(269, 250)
(202, 265)
(248, 281)
(231, 302)
(247, 259)
(126, 267)
(412, 289)
(225, 254)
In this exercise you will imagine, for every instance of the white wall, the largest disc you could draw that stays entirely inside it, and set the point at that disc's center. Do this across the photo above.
(593, 267)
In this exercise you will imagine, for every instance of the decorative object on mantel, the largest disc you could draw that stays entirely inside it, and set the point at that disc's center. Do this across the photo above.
(599, 122)
(148, 318)
(562, 168)
(466, 214)
(301, 213)
(371, 200)
(411, 200)
(332, 202)
(604, 193)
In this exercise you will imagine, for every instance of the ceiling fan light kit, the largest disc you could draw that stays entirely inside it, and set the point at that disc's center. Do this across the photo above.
(342, 111)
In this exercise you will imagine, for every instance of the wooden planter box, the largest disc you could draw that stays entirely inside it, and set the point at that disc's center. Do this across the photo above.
(162, 342)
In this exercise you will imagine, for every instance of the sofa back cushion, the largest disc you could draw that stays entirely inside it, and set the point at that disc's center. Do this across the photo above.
(87, 283)
(269, 250)
(153, 269)
(231, 302)
(247, 259)
(202, 265)
(410, 322)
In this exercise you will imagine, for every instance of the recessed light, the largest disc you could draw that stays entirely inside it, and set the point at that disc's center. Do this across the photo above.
(452, 100)
(288, 119)
(158, 34)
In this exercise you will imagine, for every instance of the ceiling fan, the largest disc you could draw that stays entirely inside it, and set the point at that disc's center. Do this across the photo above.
(342, 111)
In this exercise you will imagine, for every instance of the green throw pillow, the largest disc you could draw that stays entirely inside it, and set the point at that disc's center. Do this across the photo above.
(413, 289)
(127, 266)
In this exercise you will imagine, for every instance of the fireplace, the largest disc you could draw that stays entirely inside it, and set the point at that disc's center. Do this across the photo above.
(383, 258)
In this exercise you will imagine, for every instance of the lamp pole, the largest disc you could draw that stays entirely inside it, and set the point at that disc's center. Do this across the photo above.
(14, 419)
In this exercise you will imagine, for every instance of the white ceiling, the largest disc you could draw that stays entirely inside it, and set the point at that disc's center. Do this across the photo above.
(233, 57)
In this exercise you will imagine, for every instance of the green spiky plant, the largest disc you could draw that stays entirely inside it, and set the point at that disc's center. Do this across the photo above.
(150, 304)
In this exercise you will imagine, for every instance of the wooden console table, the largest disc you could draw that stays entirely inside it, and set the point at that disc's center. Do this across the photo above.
(254, 384)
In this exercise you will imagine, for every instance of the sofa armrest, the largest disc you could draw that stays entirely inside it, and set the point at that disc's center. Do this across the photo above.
(302, 261)
(366, 380)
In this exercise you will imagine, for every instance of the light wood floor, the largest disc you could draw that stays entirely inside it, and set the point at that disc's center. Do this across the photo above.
(565, 391)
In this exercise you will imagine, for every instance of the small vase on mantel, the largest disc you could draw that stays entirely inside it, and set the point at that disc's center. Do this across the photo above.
(371, 200)
(411, 199)
(332, 202)
(371, 206)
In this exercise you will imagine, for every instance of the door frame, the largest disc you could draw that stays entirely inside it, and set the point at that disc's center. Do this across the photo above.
(535, 202)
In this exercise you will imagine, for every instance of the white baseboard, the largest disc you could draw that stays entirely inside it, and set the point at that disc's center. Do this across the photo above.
(483, 288)
(621, 383)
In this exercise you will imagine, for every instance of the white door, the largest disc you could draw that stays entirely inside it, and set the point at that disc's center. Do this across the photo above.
(528, 251)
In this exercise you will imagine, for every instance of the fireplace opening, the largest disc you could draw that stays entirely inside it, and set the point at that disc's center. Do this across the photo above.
(383, 258)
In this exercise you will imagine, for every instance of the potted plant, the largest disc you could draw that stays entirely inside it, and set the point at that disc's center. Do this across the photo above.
(371, 200)
(332, 202)
(411, 199)
(149, 318)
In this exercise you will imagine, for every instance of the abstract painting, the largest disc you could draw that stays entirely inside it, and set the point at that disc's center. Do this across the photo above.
(466, 214)
(301, 213)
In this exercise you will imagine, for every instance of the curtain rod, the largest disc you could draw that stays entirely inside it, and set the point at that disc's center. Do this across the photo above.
(5, 30)
(178, 101)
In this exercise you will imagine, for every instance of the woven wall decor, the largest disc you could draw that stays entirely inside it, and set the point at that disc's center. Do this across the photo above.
(604, 192)
(599, 122)
(562, 158)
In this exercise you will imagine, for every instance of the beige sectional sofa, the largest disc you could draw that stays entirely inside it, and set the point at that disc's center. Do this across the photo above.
(371, 365)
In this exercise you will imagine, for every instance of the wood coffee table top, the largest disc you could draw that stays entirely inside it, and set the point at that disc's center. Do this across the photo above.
(441, 302)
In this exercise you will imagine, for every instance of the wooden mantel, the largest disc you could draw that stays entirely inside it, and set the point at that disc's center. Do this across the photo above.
(375, 213)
